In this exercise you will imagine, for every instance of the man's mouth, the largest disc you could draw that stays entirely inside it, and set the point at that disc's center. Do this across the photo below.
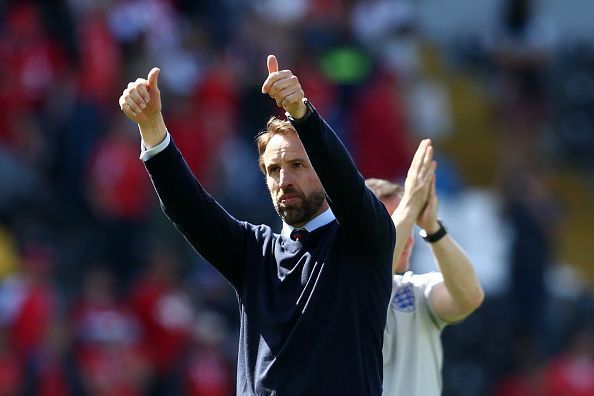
(288, 199)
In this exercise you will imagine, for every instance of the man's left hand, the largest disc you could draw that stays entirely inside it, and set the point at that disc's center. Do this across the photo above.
(284, 88)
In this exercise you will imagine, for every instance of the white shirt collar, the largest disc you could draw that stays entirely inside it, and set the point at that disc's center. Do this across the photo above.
(320, 220)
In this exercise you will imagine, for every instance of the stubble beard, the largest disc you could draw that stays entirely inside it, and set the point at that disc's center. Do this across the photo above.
(303, 213)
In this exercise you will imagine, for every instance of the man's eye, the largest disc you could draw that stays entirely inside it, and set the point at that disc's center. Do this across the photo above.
(298, 165)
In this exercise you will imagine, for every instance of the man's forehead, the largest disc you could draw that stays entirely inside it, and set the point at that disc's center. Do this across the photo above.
(287, 146)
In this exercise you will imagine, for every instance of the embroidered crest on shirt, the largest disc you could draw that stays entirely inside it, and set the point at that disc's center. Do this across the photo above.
(404, 299)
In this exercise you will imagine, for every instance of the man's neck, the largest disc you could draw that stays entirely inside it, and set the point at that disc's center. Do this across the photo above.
(318, 221)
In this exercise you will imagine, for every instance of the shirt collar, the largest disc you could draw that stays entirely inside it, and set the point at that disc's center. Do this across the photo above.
(320, 220)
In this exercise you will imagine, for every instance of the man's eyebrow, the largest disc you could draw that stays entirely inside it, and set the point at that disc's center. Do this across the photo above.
(296, 160)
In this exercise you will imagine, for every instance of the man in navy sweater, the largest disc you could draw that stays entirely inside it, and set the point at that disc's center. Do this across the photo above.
(312, 304)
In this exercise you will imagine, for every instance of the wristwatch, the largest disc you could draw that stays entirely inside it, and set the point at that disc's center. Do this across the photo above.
(309, 110)
(436, 236)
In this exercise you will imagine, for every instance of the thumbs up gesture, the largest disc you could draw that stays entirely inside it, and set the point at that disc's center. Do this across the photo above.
(284, 88)
(141, 102)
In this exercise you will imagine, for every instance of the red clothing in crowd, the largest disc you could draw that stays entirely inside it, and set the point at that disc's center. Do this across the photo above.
(112, 370)
(208, 374)
(167, 318)
(51, 377)
(109, 352)
(100, 61)
(570, 376)
(201, 124)
(11, 373)
(522, 384)
(31, 65)
(29, 325)
(31, 301)
(119, 186)
(380, 131)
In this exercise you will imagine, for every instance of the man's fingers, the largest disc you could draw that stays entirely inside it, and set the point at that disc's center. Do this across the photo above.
(429, 175)
(293, 97)
(132, 105)
(432, 191)
(420, 154)
(134, 96)
(125, 108)
(273, 78)
(138, 99)
(279, 85)
(153, 78)
(283, 88)
(427, 161)
(418, 157)
(272, 64)
(144, 93)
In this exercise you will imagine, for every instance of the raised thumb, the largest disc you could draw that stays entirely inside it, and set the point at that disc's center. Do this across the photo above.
(153, 77)
(272, 64)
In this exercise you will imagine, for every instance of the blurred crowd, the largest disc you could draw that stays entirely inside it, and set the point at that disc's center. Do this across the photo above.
(99, 295)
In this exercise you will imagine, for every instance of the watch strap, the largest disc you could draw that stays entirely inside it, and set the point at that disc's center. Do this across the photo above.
(436, 236)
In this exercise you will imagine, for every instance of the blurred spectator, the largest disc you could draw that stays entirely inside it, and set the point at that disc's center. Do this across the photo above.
(28, 299)
(206, 120)
(526, 378)
(52, 368)
(108, 349)
(22, 185)
(380, 129)
(100, 68)
(167, 317)
(118, 187)
(571, 373)
(207, 371)
(11, 367)
(119, 193)
(522, 51)
(533, 215)
(31, 58)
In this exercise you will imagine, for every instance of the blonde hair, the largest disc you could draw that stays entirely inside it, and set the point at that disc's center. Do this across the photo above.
(384, 189)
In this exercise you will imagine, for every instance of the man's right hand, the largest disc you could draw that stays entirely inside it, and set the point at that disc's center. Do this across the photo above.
(141, 102)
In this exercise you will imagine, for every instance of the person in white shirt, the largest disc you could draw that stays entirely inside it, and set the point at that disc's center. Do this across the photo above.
(421, 305)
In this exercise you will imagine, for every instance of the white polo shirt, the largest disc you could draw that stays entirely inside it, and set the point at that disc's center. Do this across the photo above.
(413, 354)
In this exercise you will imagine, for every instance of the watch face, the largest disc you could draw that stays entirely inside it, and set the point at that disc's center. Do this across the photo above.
(436, 236)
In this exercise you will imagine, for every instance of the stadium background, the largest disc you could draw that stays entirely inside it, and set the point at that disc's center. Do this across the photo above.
(100, 295)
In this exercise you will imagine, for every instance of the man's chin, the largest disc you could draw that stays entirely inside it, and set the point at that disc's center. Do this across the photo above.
(290, 207)
(293, 216)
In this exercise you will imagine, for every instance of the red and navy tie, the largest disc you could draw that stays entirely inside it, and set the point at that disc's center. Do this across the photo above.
(299, 234)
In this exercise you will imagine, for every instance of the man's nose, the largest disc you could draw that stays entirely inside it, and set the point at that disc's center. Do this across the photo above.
(285, 178)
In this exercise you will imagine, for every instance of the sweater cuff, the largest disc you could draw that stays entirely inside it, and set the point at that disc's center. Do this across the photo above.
(147, 154)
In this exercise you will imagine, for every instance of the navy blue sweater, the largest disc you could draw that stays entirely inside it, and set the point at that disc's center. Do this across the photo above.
(312, 313)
